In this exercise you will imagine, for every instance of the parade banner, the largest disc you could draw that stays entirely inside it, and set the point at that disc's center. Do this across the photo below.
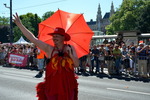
(18, 59)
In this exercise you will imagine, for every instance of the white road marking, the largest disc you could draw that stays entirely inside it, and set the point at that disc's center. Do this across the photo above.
(114, 89)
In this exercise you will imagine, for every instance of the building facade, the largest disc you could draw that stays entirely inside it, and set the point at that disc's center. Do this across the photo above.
(101, 22)
(98, 26)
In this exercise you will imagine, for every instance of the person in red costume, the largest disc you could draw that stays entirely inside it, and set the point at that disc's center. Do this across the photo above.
(60, 82)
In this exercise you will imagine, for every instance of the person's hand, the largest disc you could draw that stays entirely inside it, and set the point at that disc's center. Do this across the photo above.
(69, 50)
(17, 20)
(146, 47)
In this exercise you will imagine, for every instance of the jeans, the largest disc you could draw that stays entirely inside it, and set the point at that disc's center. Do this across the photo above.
(40, 63)
(97, 63)
(117, 64)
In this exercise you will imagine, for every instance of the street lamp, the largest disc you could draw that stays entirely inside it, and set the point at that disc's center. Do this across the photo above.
(11, 27)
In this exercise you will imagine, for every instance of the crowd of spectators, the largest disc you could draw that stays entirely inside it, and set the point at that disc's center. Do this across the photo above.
(117, 59)
(27, 49)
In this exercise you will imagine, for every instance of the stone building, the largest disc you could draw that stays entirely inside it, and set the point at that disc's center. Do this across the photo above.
(98, 26)
(101, 22)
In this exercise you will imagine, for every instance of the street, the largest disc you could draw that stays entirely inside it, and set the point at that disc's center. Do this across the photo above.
(19, 84)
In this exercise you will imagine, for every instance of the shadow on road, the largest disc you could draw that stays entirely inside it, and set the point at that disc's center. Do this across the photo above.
(98, 75)
(116, 76)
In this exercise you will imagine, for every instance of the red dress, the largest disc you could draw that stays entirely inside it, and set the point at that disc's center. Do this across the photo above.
(60, 82)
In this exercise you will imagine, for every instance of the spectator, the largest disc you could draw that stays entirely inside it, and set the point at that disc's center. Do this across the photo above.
(109, 59)
(117, 58)
(27, 51)
(133, 61)
(31, 62)
(95, 54)
(88, 61)
(125, 59)
(148, 64)
(105, 41)
(83, 64)
(148, 43)
(34, 57)
(40, 63)
(20, 51)
(2, 55)
(13, 50)
(142, 52)
(102, 58)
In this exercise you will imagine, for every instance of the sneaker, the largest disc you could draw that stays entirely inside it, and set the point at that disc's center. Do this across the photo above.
(39, 75)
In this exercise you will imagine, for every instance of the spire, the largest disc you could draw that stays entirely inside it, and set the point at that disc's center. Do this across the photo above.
(99, 17)
(112, 11)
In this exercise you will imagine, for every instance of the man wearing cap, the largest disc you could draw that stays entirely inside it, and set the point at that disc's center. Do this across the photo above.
(142, 52)
(60, 82)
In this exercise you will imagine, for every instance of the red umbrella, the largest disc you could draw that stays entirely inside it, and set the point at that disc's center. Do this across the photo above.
(74, 25)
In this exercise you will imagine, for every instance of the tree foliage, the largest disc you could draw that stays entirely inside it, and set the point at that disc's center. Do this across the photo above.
(4, 31)
(4, 21)
(47, 14)
(143, 21)
(128, 17)
(30, 21)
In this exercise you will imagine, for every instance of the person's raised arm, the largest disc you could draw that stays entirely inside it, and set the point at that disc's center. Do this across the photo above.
(29, 35)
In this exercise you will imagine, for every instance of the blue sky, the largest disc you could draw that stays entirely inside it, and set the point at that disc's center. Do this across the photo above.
(88, 7)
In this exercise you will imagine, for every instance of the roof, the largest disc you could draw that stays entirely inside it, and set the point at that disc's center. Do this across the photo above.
(91, 23)
(106, 16)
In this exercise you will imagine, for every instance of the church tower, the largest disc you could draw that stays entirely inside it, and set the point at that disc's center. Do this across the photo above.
(112, 11)
(99, 18)
(100, 24)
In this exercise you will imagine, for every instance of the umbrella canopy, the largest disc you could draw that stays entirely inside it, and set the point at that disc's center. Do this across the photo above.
(74, 25)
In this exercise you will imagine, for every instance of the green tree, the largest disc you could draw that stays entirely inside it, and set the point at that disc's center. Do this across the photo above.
(4, 20)
(109, 29)
(31, 22)
(4, 32)
(47, 14)
(126, 16)
(143, 21)
(4, 29)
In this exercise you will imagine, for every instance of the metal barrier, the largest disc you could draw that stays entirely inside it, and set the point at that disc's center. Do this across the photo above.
(134, 64)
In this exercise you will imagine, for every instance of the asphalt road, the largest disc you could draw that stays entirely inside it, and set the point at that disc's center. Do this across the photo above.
(19, 84)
